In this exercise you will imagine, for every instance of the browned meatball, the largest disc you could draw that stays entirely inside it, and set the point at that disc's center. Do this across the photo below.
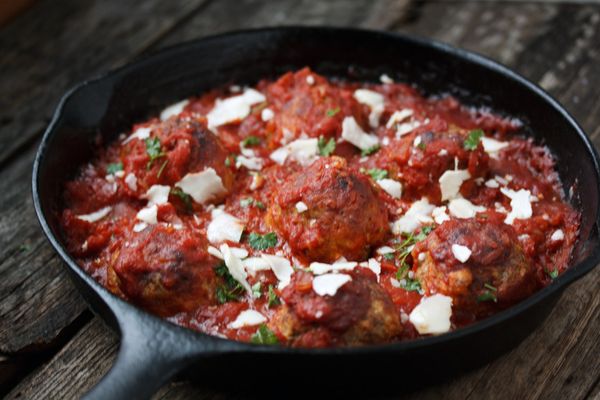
(344, 215)
(361, 312)
(185, 146)
(496, 275)
(165, 270)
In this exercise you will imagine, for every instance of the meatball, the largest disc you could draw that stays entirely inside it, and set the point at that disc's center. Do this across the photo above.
(344, 217)
(181, 145)
(306, 103)
(164, 270)
(496, 274)
(361, 312)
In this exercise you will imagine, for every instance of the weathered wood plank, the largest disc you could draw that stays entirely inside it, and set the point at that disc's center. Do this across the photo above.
(75, 369)
(53, 46)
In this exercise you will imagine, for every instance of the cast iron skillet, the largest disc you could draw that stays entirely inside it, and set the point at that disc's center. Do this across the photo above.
(153, 350)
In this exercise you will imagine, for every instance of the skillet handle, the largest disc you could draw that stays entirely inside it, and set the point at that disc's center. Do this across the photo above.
(151, 353)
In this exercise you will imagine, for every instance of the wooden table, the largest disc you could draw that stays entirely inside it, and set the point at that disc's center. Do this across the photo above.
(52, 346)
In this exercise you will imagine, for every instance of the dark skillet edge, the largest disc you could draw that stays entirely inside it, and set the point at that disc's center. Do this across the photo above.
(124, 315)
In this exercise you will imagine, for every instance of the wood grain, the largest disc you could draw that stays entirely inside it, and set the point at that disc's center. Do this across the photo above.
(557, 45)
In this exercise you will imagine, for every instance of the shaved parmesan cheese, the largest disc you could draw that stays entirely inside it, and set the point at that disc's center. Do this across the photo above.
(417, 141)
(375, 101)
(558, 235)
(310, 80)
(353, 133)
(252, 163)
(432, 314)
(461, 253)
(418, 213)
(374, 266)
(223, 227)
(443, 152)
(301, 207)
(202, 186)
(318, 268)
(439, 215)
(255, 264)
(329, 284)
(463, 208)
(148, 214)
(392, 187)
(385, 250)
(520, 203)
(384, 78)
(303, 151)
(247, 318)
(131, 181)
(235, 267)
(233, 108)
(140, 226)
(96, 215)
(281, 267)
(157, 194)
(140, 133)
(492, 183)
(267, 114)
(406, 128)
(173, 109)
(399, 116)
(492, 146)
(236, 251)
(450, 182)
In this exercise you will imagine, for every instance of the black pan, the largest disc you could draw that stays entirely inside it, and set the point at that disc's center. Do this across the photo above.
(152, 350)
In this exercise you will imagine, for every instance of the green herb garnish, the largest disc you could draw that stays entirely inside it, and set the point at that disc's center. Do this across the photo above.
(332, 111)
(389, 256)
(404, 249)
(273, 300)
(489, 294)
(251, 141)
(377, 174)
(262, 242)
(553, 274)
(472, 141)
(264, 336)
(249, 201)
(185, 198)
(230, 290)
(162, 168)
(370, 150)
(113, 168)
(256, 293)
(326, 147)
(153, 150)
(422, 146)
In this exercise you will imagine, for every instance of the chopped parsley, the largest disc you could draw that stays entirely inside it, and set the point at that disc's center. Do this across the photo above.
(377, 174)
(153, 150)
(370, 150)
(272, 298)
(185, 198)
(262, 242)
(251, 141)
(388, 256)
(256, 293)
(553, 274)
(162, 168)
(264, 336)
(332, 111)
(404, 249)
(249, 201)
(422, 146)
(113, 168)
(472, 141)
(326, 147)
(489, 294)
(230, 289)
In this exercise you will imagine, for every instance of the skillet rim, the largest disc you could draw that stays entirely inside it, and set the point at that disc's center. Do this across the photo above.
(118, 306)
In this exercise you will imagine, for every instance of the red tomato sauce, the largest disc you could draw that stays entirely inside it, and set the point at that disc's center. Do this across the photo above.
(304, 193)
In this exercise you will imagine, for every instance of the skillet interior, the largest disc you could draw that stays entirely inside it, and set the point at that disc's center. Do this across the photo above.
(109, 104)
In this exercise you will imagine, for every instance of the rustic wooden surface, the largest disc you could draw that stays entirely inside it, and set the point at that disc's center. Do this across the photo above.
(52, 347)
